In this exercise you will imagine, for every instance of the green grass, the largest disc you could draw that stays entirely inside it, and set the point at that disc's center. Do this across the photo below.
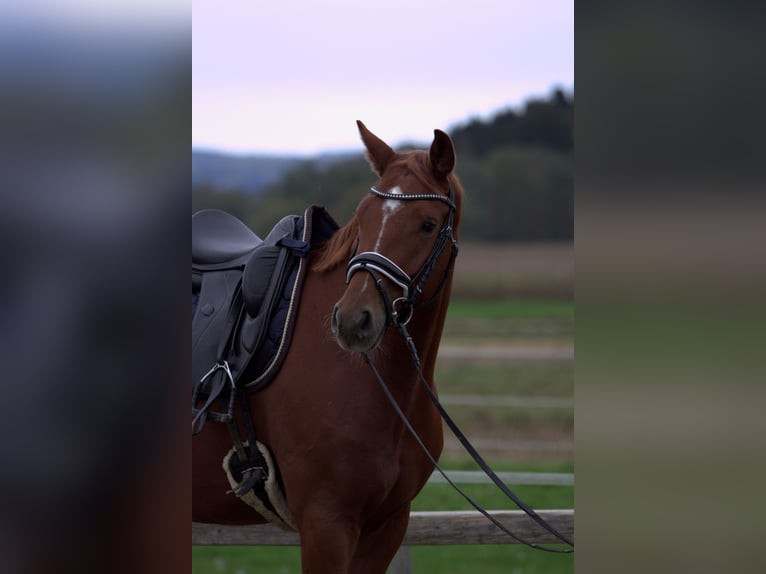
(444, 497)
(509, 319)
(523, 379)
(510, 309)
(246, 560)
(489, 559)
(505, 378)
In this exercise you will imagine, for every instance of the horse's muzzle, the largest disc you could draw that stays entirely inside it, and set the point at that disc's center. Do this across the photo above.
(358, 328)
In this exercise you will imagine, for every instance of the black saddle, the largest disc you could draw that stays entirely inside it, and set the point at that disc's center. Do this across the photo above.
(244, 296)
(219, 237)
(236, 282)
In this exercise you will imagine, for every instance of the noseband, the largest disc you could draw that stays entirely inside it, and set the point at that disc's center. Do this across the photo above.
(400, 310)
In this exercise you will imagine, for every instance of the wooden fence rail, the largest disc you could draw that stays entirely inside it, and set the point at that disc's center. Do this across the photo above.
(507, 401)
(432, 527)
(511, 478)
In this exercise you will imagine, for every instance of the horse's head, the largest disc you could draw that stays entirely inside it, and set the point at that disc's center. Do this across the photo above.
(405, 244)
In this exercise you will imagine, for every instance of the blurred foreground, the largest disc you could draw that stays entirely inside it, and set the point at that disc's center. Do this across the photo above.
(94, 179)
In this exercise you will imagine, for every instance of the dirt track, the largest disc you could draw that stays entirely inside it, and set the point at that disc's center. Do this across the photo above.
(541, 271)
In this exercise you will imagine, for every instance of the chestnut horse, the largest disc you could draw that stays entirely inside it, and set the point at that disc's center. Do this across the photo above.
(349, 467)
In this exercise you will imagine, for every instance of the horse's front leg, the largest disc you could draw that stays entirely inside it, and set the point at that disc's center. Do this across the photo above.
(328, 541)
(376, 548)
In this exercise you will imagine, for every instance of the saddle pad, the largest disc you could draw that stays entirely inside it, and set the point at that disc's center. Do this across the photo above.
(316, 226)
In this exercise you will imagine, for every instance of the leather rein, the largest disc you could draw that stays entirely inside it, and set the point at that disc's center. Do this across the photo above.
(399, 313)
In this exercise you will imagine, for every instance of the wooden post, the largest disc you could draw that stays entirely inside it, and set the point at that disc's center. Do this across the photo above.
(402, 563)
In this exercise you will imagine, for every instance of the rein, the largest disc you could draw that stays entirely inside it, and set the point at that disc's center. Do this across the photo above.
(399, 312)
(471, 451)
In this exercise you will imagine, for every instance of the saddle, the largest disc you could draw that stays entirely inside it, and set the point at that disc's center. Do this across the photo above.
(245, 293)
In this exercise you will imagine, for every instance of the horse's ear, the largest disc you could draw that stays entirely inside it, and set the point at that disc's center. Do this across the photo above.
(442, 155)
(379, 153)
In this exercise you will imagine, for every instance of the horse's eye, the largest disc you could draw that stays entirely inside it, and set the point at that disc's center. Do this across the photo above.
(428, 226)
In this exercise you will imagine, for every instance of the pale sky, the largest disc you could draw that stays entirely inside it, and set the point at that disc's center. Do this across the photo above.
(292, 76)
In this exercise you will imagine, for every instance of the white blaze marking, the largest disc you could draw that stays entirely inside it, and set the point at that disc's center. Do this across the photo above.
(390, 206)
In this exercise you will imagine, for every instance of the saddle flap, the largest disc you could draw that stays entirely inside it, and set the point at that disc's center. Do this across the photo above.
(257, 277)
(269, 258)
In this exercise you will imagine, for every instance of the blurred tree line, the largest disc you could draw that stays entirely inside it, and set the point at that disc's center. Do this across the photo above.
(516, 169)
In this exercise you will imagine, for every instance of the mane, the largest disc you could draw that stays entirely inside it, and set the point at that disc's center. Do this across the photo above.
(338, 249)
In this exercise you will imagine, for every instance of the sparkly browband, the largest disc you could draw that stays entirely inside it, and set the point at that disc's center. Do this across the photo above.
(401, 196)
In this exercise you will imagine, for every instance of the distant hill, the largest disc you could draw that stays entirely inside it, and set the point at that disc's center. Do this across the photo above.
(516, 168)
(251, 173)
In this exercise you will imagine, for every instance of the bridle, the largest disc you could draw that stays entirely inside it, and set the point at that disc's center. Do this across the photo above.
(399, 310)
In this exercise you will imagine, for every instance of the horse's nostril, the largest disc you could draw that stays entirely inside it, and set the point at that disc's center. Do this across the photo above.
(355, 329)
(365, 320)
